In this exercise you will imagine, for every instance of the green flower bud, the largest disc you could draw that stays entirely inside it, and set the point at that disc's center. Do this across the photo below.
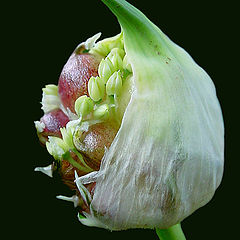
(83, 106)
(114, 84)
(116, 59)
(56, 147)
(105, 69)
(67, 137)
(102, 112)
(96, 88)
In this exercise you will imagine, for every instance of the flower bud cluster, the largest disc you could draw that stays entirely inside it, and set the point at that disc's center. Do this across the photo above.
(110, 77)
(60, 148)
(106, 87)
(105, 92)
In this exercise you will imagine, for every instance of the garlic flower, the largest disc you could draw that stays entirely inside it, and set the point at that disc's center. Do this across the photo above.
(163, 130)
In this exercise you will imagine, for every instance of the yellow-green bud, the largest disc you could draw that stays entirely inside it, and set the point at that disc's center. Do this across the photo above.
(114, 84)
(105, 69)
(115, 57)
(83, 105)
(56, 147)
(102, 112)
(96, 88)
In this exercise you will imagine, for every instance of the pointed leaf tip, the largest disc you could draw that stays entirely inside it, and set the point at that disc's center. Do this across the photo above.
(140, 34)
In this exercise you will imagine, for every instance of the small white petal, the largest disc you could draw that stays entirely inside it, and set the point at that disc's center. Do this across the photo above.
(74, 199)
(46, 170)
(39, 126)
(90, 43)
(76, 175)
(85, 194)
(67, 111)
(89, 178)
(91, 221)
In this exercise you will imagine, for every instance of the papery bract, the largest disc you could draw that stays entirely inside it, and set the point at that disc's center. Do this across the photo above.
(143, 141)
(166, 160)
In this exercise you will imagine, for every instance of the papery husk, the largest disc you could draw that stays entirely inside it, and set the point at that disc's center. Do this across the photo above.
(167, 158)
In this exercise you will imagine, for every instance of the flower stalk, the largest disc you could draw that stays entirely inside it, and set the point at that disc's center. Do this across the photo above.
(173, 233)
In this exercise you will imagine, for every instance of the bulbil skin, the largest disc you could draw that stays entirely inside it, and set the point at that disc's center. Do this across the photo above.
(67, 171)
(53, 121)
(73, 80)
(92, 143)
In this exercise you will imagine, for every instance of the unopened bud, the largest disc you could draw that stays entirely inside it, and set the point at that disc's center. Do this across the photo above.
(83, 105)
(114, 84)
(116, 56)
(56, 147)
(102, 112)
(96, 88)
(105, 69)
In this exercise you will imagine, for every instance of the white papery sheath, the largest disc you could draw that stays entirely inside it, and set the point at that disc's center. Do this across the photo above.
(167, 158)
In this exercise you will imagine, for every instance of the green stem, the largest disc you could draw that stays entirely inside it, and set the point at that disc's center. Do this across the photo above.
(173, 233)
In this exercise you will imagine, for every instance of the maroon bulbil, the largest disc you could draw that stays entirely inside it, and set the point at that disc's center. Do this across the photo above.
(73, 81)
(53, 121)
(93, 142)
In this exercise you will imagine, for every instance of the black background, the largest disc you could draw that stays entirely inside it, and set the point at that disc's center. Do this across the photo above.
(39, 39)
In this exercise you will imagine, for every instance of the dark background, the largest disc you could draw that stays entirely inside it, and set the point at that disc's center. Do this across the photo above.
(39, 39)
